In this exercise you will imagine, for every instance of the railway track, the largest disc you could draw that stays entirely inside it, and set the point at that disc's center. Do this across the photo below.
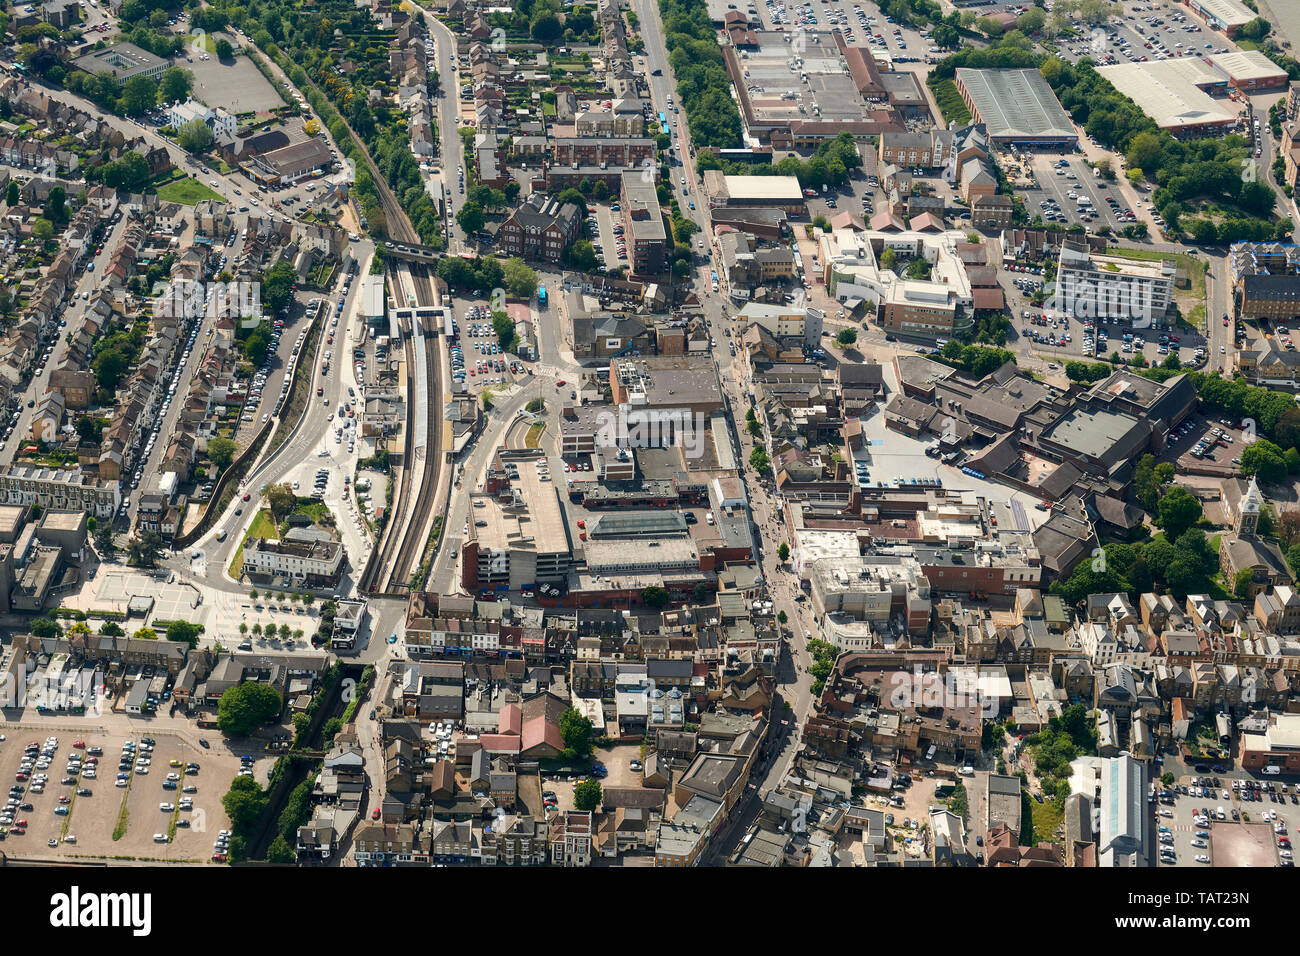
(405, 532)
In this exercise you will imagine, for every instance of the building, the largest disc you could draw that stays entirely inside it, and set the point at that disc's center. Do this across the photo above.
(1123, 807)
(1172, 93)
(540, 229)
(122, 61)
(1226, 16)
(1250, 70)
(785, 322)
(748, 192)
(1265, 280)
(1016, 107)
(518, 536)
(1276, 746)
(643, 225)
(288, 164)
(223, 124)
(624, 118)
(1096, 286)
(310, 564)
(919, 308)
(60, 489)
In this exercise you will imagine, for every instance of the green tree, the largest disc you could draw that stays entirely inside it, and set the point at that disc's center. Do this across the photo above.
(183, 632)
(11, 194)
(277, 285)
(1264, 460)
(223, 49)
(194, 136)
(43, 229)
(104, 542)
(143, 550)
(281, 500)
(520, 279)
(246, 707)
(504, 328)
(111, 629)
(471, 218)
(783, 551)
(175, 85)
(846, 337)
(1178, 510)
(56, 206)
(1241, 584)
(45, 627)
(654, 596)
(546, 28)
(576, 731)
(759, 461)
(245, 801)
(139, 94)
(221, 452)
(587, 795)
(279, 851)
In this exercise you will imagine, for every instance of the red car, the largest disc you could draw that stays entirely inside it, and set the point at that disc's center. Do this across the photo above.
(374, 814)
(561, 383)
(80, 744)
(245, 495)
(21, 777)
(65, 799)
(20, 823)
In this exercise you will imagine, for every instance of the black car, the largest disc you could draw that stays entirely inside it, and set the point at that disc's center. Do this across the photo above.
(83, 792)
(204, 744)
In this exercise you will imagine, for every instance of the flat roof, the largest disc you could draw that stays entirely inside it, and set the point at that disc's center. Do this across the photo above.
(1166, 91)
(783, 188)
(531, 521)
(1248, 65)
(819, 88)
(1230, 13)
(1092, 433)
(1016, 103)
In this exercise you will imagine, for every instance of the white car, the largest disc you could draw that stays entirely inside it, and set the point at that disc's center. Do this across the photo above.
(1202, 858)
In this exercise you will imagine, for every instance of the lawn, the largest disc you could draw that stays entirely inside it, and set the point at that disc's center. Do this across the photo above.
(209, 43)
(1194, 265)
(187, 192)
(1047, 817)
(534, 434)
(262, 527)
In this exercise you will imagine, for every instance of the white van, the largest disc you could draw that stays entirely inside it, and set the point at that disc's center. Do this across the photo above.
(967, 771)
(1271, 771)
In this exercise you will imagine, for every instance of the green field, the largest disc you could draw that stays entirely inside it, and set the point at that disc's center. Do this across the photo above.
(262, 527)
(187, 192)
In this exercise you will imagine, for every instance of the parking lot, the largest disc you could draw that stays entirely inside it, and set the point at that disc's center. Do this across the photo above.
(606, 234)
(1136, 38)
(92, 816)
(1247, 835)
(1066, 190)
(476, 358)
(1221, 441)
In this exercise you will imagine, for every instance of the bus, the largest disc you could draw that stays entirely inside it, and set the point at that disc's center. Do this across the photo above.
(541, 297)
(663, 120)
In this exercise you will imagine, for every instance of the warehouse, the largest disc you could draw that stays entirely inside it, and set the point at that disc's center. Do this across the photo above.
(1250, 70)
(774, 192)
(1016, 106)
(1171, 93)
(1226, 16)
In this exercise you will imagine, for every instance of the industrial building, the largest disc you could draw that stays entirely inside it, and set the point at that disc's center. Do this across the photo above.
(1250, 70)
(1017, 107)
(1226, 16)
(1172, 92)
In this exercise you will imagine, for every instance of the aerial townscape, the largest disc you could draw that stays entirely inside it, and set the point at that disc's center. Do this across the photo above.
(649, 433)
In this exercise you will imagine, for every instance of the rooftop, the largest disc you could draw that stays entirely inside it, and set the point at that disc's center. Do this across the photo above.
(1016, 103)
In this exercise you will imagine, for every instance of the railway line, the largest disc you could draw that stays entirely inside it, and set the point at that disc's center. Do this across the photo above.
(405, 532)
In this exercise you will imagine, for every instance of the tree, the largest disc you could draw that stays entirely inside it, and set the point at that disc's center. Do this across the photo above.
(183, 632)
(1241, 584)
(783, 551)
(175, 85)
(587, 795)
(782, 618)
(245, 707)
(245, 800)
(279, 851)
(221, 452)
(576, 731)
(87, 430)
(45, 627)
(139, 94)
(143, 551)
(1264, 460)
(1178, 510)
(281, 500)
(277, 285)
(194, 136)
(546, 28)
(1288, 527)
(888, 258)
(846, 337)
(504, 328)
(110, 365)
(111, 629)
(471, 218)
(520, 279)
(654, 596)
(11, 194)
(759, 461)
(223, 49)
(56, 206)
(43, 229)
(104, 542)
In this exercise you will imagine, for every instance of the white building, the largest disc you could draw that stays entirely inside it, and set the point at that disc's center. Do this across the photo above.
(60, 489)
(1089, 286)
(295, 562)
(223, 124)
